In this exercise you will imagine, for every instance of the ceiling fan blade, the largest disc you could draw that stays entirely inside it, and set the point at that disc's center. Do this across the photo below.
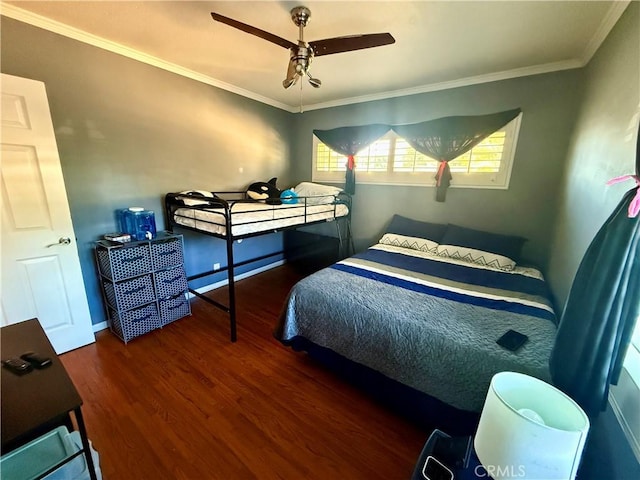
(270, 37)
(329, 46)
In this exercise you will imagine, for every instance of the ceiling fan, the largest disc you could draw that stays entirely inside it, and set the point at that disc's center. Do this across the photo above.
(302, 53)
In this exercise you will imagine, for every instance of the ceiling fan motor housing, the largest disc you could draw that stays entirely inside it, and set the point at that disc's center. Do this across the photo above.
(301, 58)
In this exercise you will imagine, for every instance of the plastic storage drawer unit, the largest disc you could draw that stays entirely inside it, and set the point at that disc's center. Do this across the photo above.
(144, 283)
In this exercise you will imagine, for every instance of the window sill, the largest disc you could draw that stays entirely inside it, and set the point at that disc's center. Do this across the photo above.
(400, 184)
(625, 398)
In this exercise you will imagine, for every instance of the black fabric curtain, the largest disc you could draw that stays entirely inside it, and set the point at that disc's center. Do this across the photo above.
(349, 141)
(447, 138)
(603, 304)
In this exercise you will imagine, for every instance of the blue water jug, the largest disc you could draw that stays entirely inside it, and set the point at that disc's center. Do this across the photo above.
(140, 223)
(121, 217)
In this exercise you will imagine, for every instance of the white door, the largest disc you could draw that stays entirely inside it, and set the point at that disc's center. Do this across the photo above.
(41, 274)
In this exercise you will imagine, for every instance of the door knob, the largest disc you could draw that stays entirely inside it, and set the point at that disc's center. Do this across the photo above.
(61, 241)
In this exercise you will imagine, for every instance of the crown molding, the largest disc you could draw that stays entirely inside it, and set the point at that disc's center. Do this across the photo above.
(606, 25)
(39, 21)
(462, 82)
(611, 18)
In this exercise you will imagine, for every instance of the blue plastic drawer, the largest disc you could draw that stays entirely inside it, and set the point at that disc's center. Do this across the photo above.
(37, 456)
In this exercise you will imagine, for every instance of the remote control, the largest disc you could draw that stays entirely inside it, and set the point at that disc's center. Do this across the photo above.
(17, 365)
(35, 359)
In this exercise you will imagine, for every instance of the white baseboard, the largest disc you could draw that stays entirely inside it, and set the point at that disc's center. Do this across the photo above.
(100, 326)
(250, 273)
(207, 288)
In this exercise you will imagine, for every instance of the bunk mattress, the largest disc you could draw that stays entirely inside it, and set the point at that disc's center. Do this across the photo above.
(428, 322)
(248, 218)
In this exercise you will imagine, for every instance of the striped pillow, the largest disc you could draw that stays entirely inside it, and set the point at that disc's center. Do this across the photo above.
(478, 257)
(413, 243)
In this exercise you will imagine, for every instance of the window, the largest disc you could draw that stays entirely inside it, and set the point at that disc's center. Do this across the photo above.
(632, 360)
(624, 396)
(390, 160)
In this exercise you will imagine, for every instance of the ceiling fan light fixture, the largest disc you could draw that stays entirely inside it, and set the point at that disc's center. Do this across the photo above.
(287, 82)
(315, 82)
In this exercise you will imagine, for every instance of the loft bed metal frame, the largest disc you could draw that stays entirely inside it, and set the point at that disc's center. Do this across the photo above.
(229, 202)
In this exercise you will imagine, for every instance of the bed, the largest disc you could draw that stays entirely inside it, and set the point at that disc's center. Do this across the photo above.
(426, 315)
(232, 216)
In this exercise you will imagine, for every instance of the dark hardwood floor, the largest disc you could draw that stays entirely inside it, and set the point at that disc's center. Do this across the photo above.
(184, 402)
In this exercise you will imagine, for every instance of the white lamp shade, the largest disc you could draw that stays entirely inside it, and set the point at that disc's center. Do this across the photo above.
(511, 442)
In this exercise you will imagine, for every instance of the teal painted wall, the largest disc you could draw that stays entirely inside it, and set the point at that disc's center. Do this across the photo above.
(128, 133)
(549, 103)
(602, 147)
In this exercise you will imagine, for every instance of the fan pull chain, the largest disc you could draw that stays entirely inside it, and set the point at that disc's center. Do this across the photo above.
(301, 96)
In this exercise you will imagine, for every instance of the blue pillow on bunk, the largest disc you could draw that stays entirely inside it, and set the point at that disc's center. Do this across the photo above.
(414, 228)
(505, 245)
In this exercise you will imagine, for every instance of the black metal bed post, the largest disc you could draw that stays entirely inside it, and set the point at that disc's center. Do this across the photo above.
(348, 239)
(345, 246)
(231, 275)
(167, 212)
(340, 242)
(351, 249)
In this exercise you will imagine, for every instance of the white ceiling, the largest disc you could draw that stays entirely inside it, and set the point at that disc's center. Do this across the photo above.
(439, 44)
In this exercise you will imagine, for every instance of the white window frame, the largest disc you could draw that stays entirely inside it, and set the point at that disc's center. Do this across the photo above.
(494, 180)
(625, 396)
(632, 359)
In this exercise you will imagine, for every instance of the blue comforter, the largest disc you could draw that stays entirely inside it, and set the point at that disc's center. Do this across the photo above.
(428, 322)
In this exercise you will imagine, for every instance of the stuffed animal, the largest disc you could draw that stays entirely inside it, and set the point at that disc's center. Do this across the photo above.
(265, 191)
(289, 196)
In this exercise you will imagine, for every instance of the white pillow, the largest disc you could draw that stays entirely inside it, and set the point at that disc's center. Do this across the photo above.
(479, 257)
(191, 202)
(317, 191)
(414, 243)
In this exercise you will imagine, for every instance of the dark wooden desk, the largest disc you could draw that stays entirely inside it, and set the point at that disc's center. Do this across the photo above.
(40, 399)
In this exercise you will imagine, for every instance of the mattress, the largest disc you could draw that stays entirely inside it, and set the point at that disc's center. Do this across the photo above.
(249, 217)
(428, 322)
